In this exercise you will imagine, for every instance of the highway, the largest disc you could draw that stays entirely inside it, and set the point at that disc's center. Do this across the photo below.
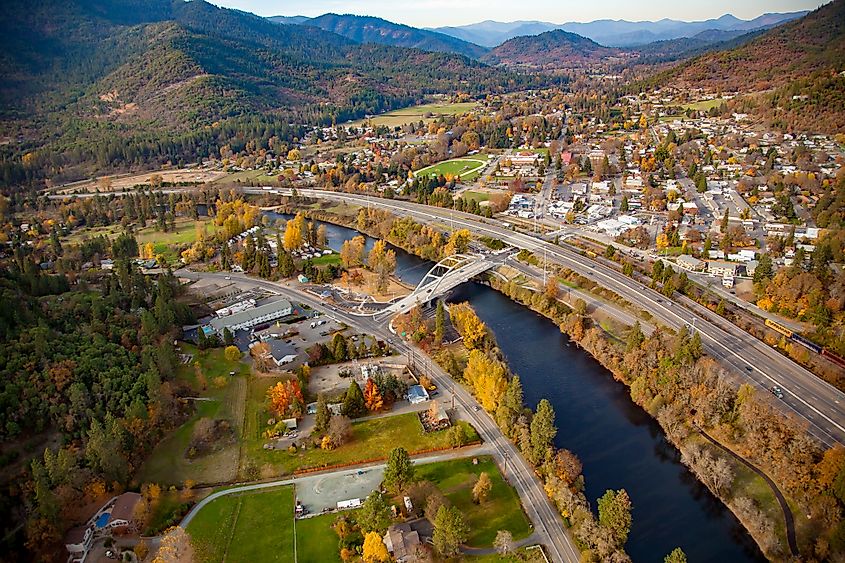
(544, 516)
(805, 395)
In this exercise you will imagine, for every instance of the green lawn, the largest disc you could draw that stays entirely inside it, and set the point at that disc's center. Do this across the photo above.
(252, 526)
(414, 114)
(316, 541)
(475, 196)
(502, 511)
(167, 464)
(371, 439)
(467, 168)
(704, 105)
(327, 260)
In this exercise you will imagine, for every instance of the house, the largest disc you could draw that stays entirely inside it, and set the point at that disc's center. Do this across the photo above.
(123, 510)
(282, 352)
(690, 263)
(402, 541)
(252, 317)
(417, 394)
(118, 512)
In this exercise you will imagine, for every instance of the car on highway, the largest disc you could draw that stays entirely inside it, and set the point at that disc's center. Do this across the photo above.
(777, 391)
(227, 278)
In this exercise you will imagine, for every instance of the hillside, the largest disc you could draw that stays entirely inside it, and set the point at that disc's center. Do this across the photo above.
(365, 29)
(118, 82)
(554, 49)
(794, 70)
(794, 50)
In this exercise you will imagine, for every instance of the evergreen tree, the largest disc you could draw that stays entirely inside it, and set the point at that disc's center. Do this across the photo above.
(543, 431)
(323, 416)
(399, 472)
(353, 401)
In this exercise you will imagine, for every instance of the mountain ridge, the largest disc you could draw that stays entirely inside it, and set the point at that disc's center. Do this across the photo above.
(611, 33)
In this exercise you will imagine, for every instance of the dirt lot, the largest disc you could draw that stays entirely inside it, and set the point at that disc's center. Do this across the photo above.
(118, 183)
(327, 379)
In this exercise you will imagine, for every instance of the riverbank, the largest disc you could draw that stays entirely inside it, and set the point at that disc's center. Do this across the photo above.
(765, 536)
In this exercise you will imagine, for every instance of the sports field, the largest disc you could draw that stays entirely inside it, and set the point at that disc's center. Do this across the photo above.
(465, 168)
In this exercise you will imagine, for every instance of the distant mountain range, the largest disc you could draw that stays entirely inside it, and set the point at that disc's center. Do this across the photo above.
(612, 33)
(366, 29)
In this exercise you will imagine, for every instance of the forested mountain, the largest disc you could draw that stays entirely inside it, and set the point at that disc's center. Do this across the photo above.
(117, 82)
(552, 49)
(615, 33)
(366, 29)
(800, 65)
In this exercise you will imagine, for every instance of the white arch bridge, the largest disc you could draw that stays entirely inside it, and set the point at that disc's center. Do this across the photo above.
(447, 274)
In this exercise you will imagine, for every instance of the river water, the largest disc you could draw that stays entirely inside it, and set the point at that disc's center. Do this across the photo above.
(619, 444)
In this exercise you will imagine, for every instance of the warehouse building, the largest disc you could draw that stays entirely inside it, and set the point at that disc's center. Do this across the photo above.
(252, 317)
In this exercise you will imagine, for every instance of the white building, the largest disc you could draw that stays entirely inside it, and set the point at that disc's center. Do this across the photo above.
(252, 317)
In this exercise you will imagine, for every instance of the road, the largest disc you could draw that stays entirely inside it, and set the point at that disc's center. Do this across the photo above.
(544, 516)
(805, 395)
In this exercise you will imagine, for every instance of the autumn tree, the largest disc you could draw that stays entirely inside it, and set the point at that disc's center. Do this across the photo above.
(677, 556)
(382, 261)
(487, 378)
(481, 489)
(469, 326)
(374, 550)
(458, 242)
(175, 547)
(399, 472)
(286, 397)
(232, 354)
(294, 233)
(352, 252)
(372, 397)
(503, 543)
(339, 430)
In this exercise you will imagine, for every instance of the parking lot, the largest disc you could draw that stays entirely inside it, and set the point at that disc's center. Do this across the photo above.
(319, 492)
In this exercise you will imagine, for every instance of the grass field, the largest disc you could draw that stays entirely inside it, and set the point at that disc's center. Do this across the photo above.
(704, 105)
(371, 439)
(253, 526)
(467, 168)
(166, 243)
(316, 541)
(502, 510)
(167, 464)
(476, 196)
(413, 114)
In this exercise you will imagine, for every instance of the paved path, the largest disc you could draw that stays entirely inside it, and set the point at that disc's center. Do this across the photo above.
(788, 519)
(533, 539)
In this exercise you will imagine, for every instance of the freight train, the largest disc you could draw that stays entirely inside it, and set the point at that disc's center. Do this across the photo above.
(809, 344)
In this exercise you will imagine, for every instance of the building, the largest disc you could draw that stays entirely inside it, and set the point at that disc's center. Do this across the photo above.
(417, 394)
(252, 317)
(722, 268)
(402, 541)
(235, 308)
(690, 263)
(118, 512)
(282, 352)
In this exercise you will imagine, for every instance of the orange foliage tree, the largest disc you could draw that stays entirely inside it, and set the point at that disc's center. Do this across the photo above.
(372, 397)
(285, 397)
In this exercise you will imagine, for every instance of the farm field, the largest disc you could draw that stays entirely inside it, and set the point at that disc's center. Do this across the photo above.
(107, 184)
(167, 465)
(466, 168)
(704, 105)
(250, 526)
(399, 117)
(501, 511)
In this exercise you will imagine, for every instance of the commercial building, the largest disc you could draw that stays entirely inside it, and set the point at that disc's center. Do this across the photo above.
(722, 268)
(252, 317)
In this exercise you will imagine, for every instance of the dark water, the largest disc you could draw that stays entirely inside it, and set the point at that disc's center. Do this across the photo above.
(619, 444)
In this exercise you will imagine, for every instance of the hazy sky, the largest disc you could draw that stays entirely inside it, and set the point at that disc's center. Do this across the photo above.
(435, 13)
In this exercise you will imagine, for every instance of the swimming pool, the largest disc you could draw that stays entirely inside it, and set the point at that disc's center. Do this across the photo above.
(103, 520)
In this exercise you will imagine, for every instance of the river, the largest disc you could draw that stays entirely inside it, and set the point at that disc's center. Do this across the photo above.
(619, 444)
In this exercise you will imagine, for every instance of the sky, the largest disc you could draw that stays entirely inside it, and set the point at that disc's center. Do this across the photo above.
(437, 13)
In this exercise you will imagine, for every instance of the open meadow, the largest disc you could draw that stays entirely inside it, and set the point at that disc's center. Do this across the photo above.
(413, 114)
(465, 168)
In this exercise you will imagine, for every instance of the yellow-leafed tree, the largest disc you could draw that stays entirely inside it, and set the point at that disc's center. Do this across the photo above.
(374, 549)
